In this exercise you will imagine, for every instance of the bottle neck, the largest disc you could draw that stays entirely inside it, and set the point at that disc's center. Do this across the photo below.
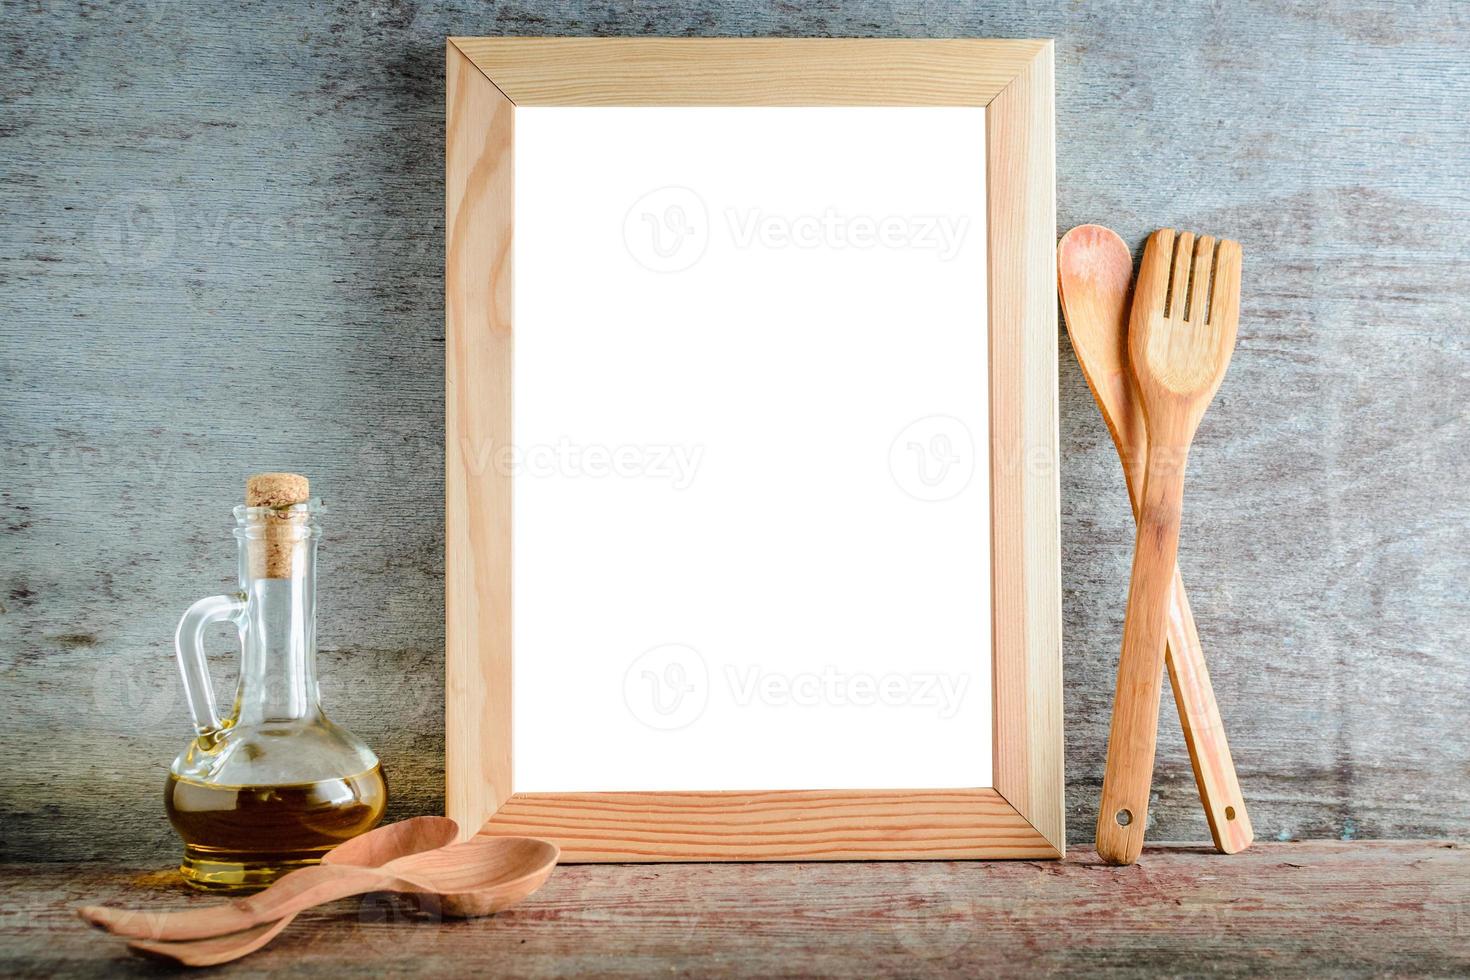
(278, 681)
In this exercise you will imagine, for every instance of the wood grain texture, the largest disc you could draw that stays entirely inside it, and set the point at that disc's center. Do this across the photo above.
(1215, 774)
(1310, 910)
(1027, 685)
(1026, 594)
(748, 71)
(206, 211)
(775, 826)
(1181, 333)
(479, 212)
(1095, 276)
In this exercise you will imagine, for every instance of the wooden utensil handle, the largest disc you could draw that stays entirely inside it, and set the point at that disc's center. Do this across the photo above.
(1204, 733)
(291, 894)
(214, 950)
(1128, 775)
(1194, 695)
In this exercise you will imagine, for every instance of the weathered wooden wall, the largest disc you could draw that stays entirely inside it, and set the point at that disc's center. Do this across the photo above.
(220, 251)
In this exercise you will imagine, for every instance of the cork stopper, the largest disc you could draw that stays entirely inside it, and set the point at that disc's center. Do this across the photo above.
(276, 490)
(272, 554)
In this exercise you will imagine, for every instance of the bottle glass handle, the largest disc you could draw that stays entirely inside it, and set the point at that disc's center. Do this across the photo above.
(193, 665)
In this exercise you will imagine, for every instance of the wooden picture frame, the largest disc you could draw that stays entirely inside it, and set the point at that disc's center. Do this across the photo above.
(1021, 816)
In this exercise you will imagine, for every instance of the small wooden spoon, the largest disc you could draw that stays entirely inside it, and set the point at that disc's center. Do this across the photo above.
(476, 878)
(1095, 277)
(1180, 338)
(423, 834)
(370, 850)
(470, 876)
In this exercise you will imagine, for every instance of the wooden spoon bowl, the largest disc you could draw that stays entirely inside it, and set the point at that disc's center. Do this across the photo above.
(487, 874)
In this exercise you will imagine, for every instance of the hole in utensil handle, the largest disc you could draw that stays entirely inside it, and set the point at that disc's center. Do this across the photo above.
(1124, 817)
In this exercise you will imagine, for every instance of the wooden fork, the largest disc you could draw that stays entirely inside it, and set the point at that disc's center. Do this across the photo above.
(1095, 280)
(1181, 333)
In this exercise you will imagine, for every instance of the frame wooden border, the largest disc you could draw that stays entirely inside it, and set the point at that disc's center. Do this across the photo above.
(1022, 815)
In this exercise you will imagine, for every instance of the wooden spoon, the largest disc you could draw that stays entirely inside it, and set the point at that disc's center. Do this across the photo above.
(370, 850)
(479, 877)
(467, 875)
(1095, 277)
(1180, 337)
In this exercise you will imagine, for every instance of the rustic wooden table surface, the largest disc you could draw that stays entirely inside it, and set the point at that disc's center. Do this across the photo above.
(1288, 910)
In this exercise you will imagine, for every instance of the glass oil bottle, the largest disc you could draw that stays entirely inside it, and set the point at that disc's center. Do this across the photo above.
(274, 785)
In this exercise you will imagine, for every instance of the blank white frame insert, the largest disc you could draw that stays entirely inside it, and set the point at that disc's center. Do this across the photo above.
(750, 467)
